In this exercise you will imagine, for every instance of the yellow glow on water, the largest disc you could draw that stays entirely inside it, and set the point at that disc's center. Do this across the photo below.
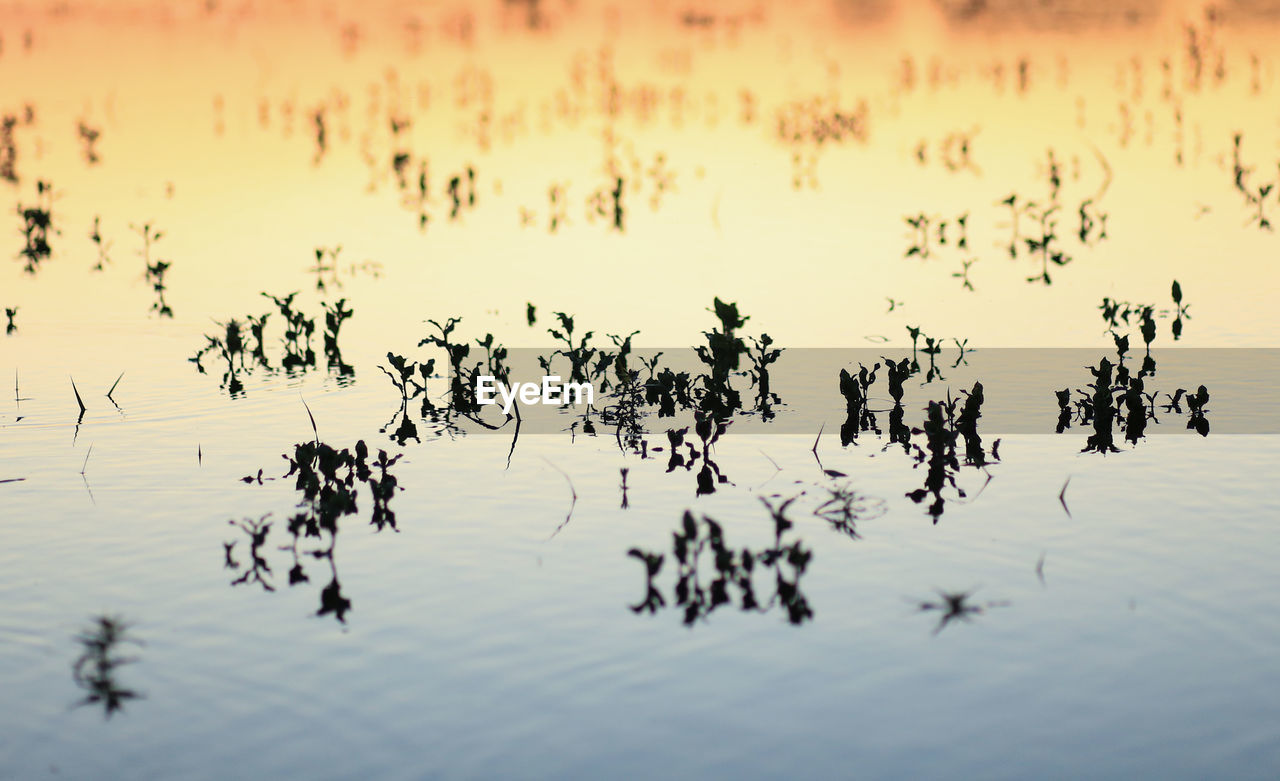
(207, 130)
(491, 632)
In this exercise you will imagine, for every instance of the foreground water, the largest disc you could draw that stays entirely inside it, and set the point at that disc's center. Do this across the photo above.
(1118, 617)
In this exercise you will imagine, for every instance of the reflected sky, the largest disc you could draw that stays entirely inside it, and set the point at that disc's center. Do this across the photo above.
(990, 174)
(530, 111)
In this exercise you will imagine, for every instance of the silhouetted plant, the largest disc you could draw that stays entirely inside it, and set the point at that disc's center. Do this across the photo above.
(8, 149)
(155, 275)
(709, 475)
(1015, 222)
(721, 355)
(626, 412)
(402, 375)
(297, 334)
(154, 272)
(919, 225)
(95, 671)
(579, 355)
(700, 546)
(956, 606)
(101, 246)
(89, 137)
(1253, 196)
(37, 227)
(297, 354)
(326, 263)
(1118, 400)
(943, 429)
(1044, 245)
(762, 357)
(328, 480)
(858, 415)
(844, 507)
(606, 202)
(1180, 310)
(461, 397)
(258, 570)
(1093, 224)
(335, 315)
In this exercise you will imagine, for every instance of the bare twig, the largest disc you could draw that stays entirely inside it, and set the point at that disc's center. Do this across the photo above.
(314, 430)
(78, 399)
(815, 446)
(114, 384)
(572, 504)
(514, 438)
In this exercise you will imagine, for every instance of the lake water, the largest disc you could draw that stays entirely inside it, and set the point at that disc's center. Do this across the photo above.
(873, 596)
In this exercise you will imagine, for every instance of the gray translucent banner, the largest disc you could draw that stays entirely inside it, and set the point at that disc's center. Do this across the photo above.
(1019, 389)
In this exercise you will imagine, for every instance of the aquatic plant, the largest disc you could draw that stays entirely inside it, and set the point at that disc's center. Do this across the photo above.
(8, 149)
(579, 355)
(326, 263)
(328, 481)
(101, 246)
(956, 606)
(699, 544)
(1117, 401)
(335, 315)
(96, 669)
(943, 429)
(1044, 245)
(89, 138)
(37, 227)
(297, 353)
(461, 397)
(1254, 197)
(858, 416)
(844, 507)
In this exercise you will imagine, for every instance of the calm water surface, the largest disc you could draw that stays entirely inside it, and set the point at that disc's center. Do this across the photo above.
(1119, 617)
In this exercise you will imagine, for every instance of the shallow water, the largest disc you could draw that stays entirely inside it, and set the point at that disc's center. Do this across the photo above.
(1120, 618)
